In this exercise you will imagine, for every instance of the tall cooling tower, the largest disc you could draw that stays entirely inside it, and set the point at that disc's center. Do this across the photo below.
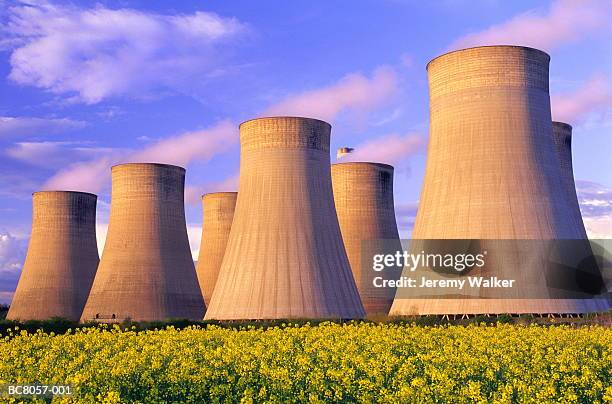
(62, 257)
(218, 213)
(363, 193)
(146, 272)
(493, 173)
(285, 257)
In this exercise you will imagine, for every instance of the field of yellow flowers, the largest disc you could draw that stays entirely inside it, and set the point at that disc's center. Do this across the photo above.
(352, 362)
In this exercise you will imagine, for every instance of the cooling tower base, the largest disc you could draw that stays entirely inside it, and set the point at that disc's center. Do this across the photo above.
(424, 307)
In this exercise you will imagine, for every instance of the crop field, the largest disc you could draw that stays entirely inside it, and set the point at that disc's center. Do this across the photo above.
(360, 362)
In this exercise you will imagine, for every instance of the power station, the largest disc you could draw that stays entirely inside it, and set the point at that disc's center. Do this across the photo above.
(218, 213)
(493, 174)
(363, 194)
(146, 272)
(62, 257)
(298, 240)
(285, 257)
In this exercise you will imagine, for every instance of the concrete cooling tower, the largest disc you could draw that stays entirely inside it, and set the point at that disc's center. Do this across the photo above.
(285, 257)
(62, 257)
(218, 213)
(146, 272)
(493, 173)
(363, 194)
(562, 137)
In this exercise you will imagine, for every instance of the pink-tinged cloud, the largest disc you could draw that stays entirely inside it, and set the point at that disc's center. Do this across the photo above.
(565, 21)
(97, 52)
(201, 145)
(54, 154)
(391, 149)
(87, 176)
(596, 206)
(354, 92)
(193, 193)
(12, 126)
(594, 96)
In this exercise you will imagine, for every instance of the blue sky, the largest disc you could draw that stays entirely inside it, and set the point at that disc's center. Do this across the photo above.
(85, 85)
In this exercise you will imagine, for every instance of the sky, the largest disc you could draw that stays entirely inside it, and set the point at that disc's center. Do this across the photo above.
(86, 85)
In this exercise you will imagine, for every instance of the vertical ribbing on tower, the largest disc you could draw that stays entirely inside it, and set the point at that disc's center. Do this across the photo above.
(62, 257)
(285, 257)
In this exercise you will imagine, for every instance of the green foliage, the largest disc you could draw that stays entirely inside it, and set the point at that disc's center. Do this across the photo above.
(483, 319)
(3, 310)
(504, 319)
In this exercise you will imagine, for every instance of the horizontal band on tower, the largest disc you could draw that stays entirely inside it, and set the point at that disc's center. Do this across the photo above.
(285, 133)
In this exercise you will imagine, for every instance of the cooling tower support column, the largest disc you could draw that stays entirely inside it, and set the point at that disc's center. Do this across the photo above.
(363, 194)
(218, 213)
(493, 173)
(285, 257)
(62, 257)
(146, 272)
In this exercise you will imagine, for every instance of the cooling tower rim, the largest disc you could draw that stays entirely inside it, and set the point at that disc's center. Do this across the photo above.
(284, 117)
(365, 164)
(564, 125)
(60, 191)
(219, 194)
(530, 49)
(172, 166)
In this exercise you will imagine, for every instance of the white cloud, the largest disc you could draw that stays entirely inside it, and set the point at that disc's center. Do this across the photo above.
(200, 145)
(12, 256)
(101, 232)
(193, 193)
(12, 252)
(97, 53)
(11, 126)
(566, 21)
(391, 149)
(53, 154)
(593, 97)
(596, 206)
(194, 232)
(88, 176)
(354, 92)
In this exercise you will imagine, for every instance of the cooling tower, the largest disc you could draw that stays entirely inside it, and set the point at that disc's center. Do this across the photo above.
(146, 272)
(62, 257)
(218, 213)
(493, 173)
(285, 257)
(363, 194)
(562, 137)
